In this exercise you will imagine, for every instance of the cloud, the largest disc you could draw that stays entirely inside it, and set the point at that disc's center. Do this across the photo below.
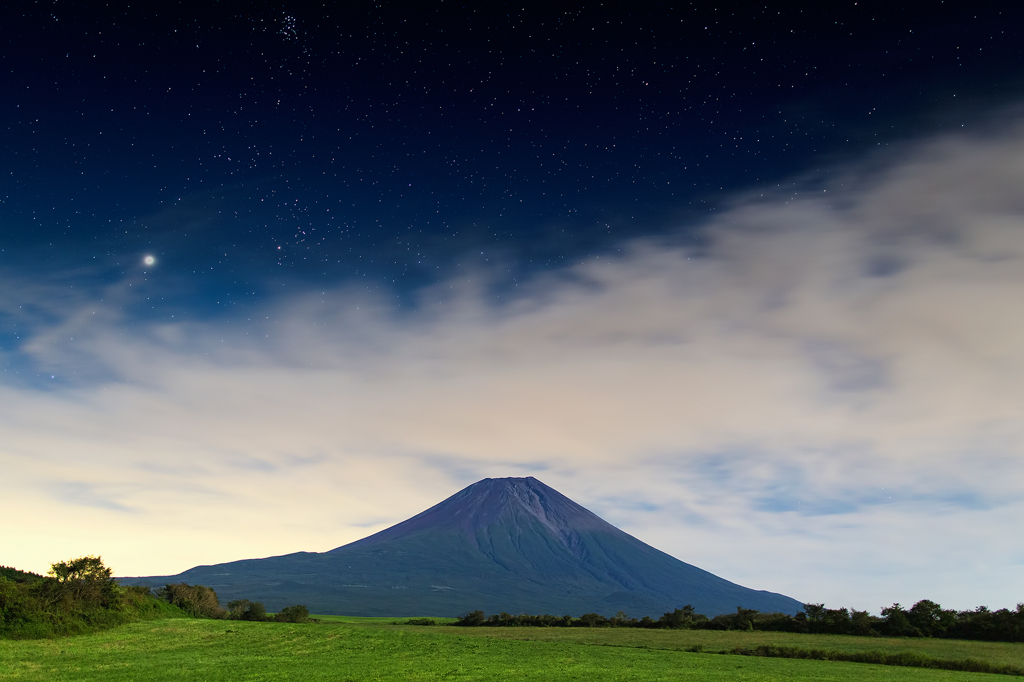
(825, 399)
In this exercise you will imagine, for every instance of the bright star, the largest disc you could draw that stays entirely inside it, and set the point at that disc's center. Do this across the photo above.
(149, 260)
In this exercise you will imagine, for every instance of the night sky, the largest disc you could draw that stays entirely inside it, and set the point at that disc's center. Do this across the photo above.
(742, 279)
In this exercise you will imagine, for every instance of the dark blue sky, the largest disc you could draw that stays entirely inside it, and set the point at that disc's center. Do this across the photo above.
(744, 280)
(253, 142)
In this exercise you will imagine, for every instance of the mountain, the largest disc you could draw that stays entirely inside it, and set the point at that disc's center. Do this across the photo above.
(502, 544)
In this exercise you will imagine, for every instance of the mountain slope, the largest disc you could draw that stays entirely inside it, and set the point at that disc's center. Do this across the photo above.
(508, 544)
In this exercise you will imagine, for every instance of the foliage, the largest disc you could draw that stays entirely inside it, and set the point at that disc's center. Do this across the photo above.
(243, 609)
(200, 601)
(684, 617)
(197, 601)
(17, 576)
(78, 596)
(80, 582)
(925, 619)
(300, 614)
(472, 619)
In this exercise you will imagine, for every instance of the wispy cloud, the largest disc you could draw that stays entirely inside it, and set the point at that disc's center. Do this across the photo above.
(825, 399)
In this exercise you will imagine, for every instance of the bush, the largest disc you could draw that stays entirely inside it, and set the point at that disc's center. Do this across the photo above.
(472, 619)
(243, 609)
(300, 614)
(197, 601)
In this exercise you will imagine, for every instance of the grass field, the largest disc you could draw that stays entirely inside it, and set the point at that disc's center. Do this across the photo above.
(375, 649)
(998, 653)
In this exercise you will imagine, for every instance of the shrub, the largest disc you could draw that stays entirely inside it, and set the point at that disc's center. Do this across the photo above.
(197, 601)
(243, 609)
(300, 614)
(472, 619)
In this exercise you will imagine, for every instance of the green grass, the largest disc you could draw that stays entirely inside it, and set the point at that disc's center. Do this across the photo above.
(375, 649)
(996, 653)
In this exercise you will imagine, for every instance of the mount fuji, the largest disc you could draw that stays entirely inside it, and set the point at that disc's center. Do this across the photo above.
(501, 544)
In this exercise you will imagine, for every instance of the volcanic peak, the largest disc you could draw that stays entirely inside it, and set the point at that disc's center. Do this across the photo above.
(502, 544)
(499, 505)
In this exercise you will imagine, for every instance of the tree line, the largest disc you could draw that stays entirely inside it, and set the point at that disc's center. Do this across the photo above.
(81, 595)
(924, 619)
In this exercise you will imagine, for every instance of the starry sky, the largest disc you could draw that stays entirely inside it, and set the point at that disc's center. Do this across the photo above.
(743, 280)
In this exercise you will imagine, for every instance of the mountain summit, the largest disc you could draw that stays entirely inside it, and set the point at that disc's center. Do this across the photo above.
(502, 544)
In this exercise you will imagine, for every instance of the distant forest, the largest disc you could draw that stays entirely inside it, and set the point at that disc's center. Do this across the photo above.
(923, 619)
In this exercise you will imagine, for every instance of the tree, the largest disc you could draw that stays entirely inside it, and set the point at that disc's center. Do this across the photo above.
(83, 580)
(897, 623)
(83, 568)
(815, 617)
(930, 618)
(860, 623)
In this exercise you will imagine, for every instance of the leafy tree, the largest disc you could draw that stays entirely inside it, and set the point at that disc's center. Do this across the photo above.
(897, 623)
(83, 568)
(860, 623)
(84, 581)
(815, 617)
(930, 618)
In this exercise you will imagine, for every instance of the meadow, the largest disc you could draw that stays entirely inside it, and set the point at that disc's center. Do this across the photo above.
(384, 649)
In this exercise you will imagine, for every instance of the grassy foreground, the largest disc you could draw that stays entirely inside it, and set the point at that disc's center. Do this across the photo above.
(996, 653)
(374, 649)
